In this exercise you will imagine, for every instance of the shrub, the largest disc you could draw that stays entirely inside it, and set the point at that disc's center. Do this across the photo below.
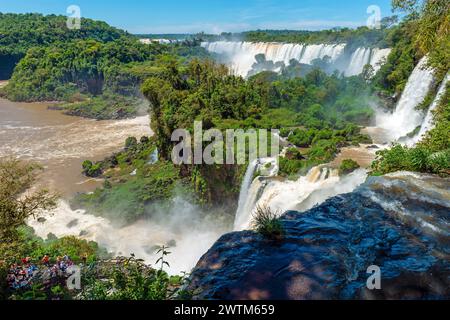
(348, 166)
(419, 159)
(130, 143)
(267, 223)
(92, 170)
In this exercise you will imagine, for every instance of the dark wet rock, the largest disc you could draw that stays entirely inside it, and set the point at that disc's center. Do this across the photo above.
(41, 220)
(374, 146)
(83, 233)
(72, 223)
(399, 223)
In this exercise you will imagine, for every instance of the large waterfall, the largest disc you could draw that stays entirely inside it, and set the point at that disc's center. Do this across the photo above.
(406, 118)
(241, 55)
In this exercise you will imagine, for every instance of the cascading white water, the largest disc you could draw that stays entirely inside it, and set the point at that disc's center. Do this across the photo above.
(428, 122)
(241, 55)
(318, 185)
(322, 183)
(364, 56)
(250, 189)
(357, 62)
(406, 118)
(243, 196)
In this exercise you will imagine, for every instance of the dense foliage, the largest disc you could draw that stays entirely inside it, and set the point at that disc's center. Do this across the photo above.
(327, 106)
(15, 209)
(20, 32)
(96, 70)
(425, 30)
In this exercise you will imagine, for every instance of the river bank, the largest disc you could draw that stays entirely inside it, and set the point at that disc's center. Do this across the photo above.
(60, 143)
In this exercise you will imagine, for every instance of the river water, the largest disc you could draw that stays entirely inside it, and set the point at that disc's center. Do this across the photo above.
(60, 143)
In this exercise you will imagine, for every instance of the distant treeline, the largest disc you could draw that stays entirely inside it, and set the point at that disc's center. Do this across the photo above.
(359, 37)
(20, 32)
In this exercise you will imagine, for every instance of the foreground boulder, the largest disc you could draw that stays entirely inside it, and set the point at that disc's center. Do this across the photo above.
(399, 223)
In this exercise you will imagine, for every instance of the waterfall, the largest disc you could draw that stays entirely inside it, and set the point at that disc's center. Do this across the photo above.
(379, 57)
(428, 122)
(246, 183)
(240, 56)
(252, 190)
(318, 185)
(357, 62)
(406, 118)
(363, 56)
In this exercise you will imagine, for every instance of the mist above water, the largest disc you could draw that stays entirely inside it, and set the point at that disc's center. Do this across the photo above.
(183, 227)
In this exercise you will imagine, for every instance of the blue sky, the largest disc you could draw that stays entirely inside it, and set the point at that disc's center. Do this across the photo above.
(212, 16)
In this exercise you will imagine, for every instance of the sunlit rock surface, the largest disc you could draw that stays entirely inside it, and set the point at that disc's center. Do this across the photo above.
(398, 222)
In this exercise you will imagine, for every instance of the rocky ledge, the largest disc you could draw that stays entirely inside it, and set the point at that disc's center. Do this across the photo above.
(398, 222)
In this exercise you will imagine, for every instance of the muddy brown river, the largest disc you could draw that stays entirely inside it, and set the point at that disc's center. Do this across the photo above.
(60, 143)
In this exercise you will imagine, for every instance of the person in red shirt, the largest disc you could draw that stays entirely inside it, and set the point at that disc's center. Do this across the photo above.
(45, 259)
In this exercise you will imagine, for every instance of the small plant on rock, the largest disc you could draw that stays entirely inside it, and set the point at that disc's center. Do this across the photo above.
(267, 223)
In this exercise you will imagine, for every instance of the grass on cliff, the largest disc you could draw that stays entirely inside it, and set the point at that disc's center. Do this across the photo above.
(267, 223)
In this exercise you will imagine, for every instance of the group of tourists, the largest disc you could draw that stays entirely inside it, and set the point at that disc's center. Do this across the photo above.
(23, 275)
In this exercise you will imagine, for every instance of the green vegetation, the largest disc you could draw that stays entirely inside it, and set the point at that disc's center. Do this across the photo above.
(131, 279)
(21, 32)
(426, 32)
(96, 70)
(103, 107)
(90, 75)
(320, 109)
(348, 166)
(133, 182)
(267, 223)
(431, 155)
(419, 159)
(16, 178)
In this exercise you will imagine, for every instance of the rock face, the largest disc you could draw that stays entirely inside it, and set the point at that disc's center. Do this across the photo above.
(399, 223)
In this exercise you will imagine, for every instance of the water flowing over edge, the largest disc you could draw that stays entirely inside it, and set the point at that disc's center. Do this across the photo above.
(241, 55)
(406, 118)
(428, 122)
